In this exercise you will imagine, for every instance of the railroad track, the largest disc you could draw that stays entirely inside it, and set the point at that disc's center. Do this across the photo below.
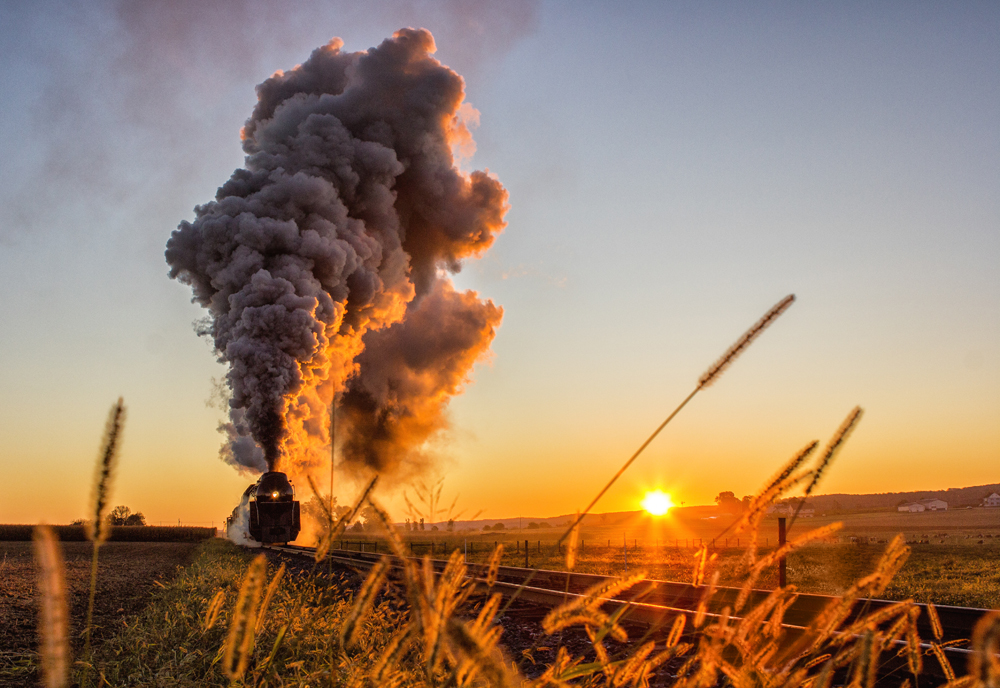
(655, 603)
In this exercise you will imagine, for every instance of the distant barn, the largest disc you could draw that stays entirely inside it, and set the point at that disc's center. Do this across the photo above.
(923, 505)
(992, 500)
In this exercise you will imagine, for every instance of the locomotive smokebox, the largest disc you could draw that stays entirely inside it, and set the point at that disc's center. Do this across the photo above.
(274, 487)
(271, 509)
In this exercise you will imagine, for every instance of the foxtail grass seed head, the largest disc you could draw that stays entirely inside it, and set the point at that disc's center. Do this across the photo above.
(946, 667)
(491, 576)
(713, 373)
(271, 589)
(212, 613)
(935, 621)
(676, 630)
(574, 544)
(107, 462)
(836, 443)
(240, 639)
(984, 666)
(53, 624)
(363, 603)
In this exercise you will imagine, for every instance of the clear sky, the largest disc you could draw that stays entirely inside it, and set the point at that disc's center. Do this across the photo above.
(674, 169)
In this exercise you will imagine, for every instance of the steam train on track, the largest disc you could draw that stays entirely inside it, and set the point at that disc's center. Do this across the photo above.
(267, 513)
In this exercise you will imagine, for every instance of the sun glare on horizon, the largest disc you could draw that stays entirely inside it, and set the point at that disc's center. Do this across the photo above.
(657, 502)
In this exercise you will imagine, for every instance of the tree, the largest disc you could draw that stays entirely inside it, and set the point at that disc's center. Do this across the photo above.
(728, 502)
(136, 519)
(451, 525)
(421, 524)
(498, 526)
(316, 509)
(119, 515)
(370, 517)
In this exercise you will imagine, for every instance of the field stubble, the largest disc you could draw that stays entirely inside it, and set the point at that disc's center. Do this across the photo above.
(129, 572)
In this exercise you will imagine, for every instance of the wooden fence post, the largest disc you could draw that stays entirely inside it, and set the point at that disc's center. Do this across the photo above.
(782, 574)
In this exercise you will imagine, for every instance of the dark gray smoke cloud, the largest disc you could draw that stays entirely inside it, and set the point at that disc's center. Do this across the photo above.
(320, 262)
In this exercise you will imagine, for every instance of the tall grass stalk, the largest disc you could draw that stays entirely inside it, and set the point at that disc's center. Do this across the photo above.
(53, 621)
(99, 527)
(710, 376)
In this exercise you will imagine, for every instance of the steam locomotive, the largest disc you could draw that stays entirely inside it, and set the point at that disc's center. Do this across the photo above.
(267, 513)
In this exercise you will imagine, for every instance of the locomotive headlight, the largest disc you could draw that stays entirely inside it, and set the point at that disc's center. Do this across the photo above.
(274, 495)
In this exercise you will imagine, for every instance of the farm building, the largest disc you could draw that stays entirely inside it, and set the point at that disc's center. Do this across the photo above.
(924, 505)
(789, 508)
(992, 500)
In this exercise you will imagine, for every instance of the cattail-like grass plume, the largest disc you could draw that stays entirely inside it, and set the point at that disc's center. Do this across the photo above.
(363, 602)
(99, 527)
(710, 376)
(268, 596)
(573, 546)
(832, 448)
(336, 528)
(741, 345)
(494, 565)
(53, 620)
(213, 611)
(985, 665)
(240, 639)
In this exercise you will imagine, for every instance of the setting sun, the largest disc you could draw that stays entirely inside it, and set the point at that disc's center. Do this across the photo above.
(657, 502)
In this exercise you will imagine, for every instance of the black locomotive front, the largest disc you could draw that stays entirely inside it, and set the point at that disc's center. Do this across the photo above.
(274, 511)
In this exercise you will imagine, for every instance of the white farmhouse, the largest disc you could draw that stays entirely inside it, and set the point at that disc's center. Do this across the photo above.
(992, 500)
(912, 507)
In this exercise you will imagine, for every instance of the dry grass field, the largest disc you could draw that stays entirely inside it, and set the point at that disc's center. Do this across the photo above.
(128, 573)
(954, 554)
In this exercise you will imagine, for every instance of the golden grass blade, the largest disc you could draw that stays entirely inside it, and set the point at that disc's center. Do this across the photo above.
(914, 657)
(53, 619)
(271, 589)
(104, 474)
(483, 659)
(574, 543)
(716, 369)
(239, 641)
(100, 496)
(835, 445)
(985, 663)
(702, 562)
(494, 569)
(710, 376)
(391, 655)
(363, 603)
(949, 672)
(935, 621)
(212, 613)
(486, 614)
(585, 609)
(676, 630)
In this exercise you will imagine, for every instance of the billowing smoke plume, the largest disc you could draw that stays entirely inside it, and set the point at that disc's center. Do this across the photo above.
(323, 262)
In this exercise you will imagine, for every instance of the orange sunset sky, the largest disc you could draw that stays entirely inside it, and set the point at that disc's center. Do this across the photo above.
(673, 170)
